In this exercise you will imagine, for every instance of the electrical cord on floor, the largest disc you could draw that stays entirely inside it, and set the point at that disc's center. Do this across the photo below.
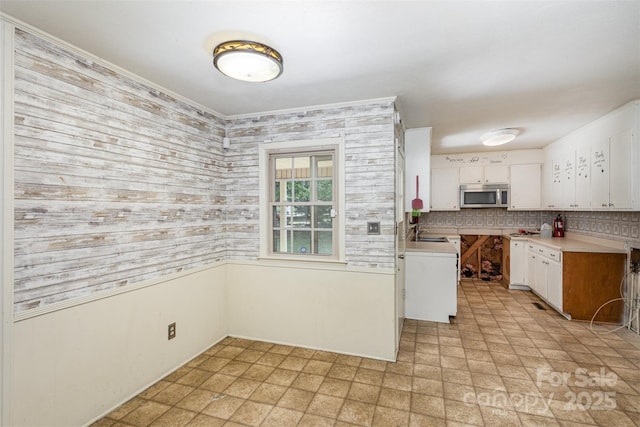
(628, 304)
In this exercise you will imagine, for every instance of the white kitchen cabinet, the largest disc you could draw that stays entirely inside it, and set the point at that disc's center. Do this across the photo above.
(541, 277)
(530, 276)
(553, 197)
(525, 187)
(604, 154)
(554, 283)
(582, 198)
(600, 174)
(569, 180)
(517, 263)
(611, 172)
(445, 189)
(471, 175)
(496, 174)
(417, 146)
(620, 151)
(545, 270)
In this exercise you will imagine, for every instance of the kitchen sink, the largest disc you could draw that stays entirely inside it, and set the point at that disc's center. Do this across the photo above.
(432, 239)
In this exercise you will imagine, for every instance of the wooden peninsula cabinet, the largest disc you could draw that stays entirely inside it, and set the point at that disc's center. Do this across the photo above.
(590, 280)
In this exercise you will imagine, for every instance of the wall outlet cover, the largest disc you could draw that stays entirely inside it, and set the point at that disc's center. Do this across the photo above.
(373, 228)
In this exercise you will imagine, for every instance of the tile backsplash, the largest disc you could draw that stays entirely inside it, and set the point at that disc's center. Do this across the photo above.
(622, 226)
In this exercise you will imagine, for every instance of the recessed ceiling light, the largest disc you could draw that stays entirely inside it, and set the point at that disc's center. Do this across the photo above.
(247, 61)
(499, 137)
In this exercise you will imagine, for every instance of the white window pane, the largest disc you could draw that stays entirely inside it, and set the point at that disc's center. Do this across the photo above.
(302, 191)
(324, 166)
(322, 217)
(323, 243)
(302, 216)
(324, 190)
(283, 167)
(301, 242)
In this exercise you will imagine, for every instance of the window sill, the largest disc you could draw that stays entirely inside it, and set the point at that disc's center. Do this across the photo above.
(302, 261)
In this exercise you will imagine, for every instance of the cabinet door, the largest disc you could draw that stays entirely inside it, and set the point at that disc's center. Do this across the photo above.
(600, 174)
(583, 179)
(569, 180)
(555, 199)
(530, 276)
(445, 189)
(620, 174)
(554, 284)
(498, 174)
(525, 187)
(471, 175)
(541, 276)
(417, 148)
(517, 263)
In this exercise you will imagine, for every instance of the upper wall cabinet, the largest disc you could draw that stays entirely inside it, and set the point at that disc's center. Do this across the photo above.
(592, 168)
(417, 147)
(611, 172)
(525, 187)
(518, 168)
(445, 189)
(484, 174)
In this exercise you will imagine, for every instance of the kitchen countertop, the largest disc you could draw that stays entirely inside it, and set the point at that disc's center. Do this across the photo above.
(570, 243)
(574, 244)
(430, 247)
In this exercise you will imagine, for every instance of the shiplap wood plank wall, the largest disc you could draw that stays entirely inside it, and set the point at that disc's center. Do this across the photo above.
(368, 131)
(115, 182)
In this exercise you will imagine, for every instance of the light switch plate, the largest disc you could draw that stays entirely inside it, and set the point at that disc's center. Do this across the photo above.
(373, 228)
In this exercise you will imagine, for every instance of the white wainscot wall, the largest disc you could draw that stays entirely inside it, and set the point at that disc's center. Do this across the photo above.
(74, 365)
(341, 310)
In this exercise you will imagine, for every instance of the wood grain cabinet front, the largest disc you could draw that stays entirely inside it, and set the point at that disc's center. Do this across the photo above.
(591, 280)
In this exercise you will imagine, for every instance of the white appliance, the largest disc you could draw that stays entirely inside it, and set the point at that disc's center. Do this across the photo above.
(431, 285)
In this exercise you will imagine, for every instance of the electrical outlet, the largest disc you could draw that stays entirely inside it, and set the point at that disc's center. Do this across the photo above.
(172, 330)
(373, 228)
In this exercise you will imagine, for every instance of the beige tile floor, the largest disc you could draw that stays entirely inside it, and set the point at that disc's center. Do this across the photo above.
(501, 362)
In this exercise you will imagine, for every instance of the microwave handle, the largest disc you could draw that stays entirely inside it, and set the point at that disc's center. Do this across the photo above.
(499, 196)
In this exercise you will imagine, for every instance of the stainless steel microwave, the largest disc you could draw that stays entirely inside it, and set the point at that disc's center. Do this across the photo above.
(484, 196)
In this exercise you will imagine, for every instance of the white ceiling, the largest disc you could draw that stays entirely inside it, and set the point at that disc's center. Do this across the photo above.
(463, 67)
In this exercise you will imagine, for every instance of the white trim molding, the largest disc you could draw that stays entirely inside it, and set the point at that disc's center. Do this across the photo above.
(6, 214)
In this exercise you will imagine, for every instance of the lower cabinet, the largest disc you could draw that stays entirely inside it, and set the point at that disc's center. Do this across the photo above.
(545, 273)
(514, 261)
(577, 284)
(517, 262)
(591, 282)
(554, 284)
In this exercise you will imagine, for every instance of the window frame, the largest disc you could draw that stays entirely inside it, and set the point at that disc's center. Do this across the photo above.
(297, 148)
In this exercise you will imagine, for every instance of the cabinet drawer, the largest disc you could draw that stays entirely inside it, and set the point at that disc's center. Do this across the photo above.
(552, 254)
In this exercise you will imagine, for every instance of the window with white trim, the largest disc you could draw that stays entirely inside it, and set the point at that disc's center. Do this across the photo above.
(302, 192)
(302, 199)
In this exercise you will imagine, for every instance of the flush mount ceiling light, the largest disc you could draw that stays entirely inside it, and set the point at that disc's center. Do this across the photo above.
(499, 137)
(247, 61)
